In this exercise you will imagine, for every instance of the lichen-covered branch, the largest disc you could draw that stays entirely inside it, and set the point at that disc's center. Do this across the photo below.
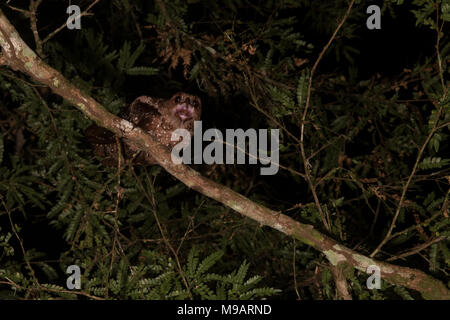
(341, 282)
(18, 56)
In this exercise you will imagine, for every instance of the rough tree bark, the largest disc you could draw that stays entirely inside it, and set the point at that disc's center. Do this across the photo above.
(17, 55)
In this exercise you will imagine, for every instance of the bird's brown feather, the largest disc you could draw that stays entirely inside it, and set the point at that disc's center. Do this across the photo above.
(156, 116)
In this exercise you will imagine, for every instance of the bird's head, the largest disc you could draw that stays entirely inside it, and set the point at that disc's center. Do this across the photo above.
(185, 106)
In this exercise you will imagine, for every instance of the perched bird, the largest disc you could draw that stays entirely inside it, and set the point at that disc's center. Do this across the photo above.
(158, 117)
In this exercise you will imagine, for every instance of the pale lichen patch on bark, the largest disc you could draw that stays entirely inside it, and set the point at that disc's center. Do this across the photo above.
(387, 269)
(234, 205)
(363, 262)
(316, 235)
(5, 46)
(83, 98)
(43, 74)
(279, 227)
(27, 52)
(338, 247)
(304, 240)
(16, 42)
(28, 65)
(81, 106)
(334, 257)
(125, 126)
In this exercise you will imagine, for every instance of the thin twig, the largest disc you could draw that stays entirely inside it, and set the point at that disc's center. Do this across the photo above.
(295, 269)
(151, 199)
(438, 55)
(435, 128)
(34, 4)
(13, 228)
(405, 188)
(418, 248)
(302, 125)
(64, 25)
(341, 281)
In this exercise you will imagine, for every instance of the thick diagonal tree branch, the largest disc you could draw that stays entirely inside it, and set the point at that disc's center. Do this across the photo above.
(18, 56)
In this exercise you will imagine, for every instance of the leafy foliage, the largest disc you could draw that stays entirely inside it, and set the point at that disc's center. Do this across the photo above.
(137, 233)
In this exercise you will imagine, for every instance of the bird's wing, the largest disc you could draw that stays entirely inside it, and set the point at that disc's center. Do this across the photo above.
(143, 109)
(99, 135)
(139, 112)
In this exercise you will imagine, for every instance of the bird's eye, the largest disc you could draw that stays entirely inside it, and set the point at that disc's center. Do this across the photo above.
(195, 104)
(177, 99)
